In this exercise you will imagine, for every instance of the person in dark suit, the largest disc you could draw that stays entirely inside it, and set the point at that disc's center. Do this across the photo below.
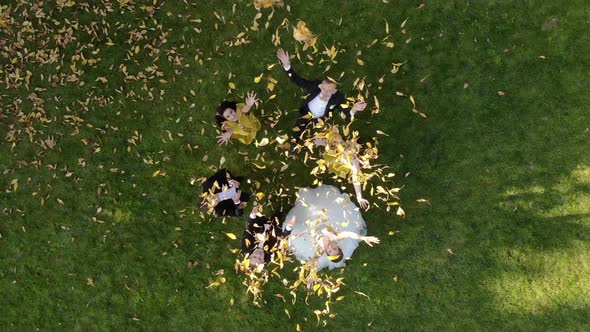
(222, 195)
(262, 236)
(323, 98)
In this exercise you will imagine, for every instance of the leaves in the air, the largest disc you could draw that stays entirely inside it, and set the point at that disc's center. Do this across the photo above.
(302, 34)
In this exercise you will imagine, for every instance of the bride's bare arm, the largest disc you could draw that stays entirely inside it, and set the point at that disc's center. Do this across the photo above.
(370, 240)
(363, 203)
(349, 235)
(250, 100)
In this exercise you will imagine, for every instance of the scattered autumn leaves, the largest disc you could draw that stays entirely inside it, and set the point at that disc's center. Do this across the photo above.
(51, 49)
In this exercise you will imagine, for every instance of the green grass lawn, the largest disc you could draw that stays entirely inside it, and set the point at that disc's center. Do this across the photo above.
(91, 240)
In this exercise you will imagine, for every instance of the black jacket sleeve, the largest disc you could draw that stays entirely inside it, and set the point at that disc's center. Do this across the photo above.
(278, 220)
(228, 208)
(286, 233)
(308, 85)
(253, 226)
(248, 238)
(341, 107)
(221, 177)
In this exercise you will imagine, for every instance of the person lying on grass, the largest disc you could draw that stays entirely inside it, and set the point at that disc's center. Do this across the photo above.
(344, 158)
(222, 195)
(323, 98)
(235, 120)
(263, 237)
(328, 246)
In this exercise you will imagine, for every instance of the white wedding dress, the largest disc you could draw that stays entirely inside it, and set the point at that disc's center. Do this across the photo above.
(319, 208)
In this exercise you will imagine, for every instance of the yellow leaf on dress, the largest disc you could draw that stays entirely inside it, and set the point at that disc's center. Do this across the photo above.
(232, 85)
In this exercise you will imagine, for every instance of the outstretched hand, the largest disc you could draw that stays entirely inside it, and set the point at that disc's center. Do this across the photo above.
(283, 58)
(359, 106)
(234, 183)
(251, 98)
(370, 240)
(224, 138)
(363, 203)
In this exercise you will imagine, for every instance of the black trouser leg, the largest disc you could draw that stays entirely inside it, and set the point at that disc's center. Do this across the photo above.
(301, 125)
(244, 197)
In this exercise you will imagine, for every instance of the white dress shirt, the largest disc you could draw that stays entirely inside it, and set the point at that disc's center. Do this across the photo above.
(317, 106)
(227, 194)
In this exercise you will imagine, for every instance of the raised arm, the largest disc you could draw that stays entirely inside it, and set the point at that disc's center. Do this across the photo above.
(370, 240)
(363, 203)
(288, 228)
(249, 239)
(250, 100)
(286, 63)
(224, 137)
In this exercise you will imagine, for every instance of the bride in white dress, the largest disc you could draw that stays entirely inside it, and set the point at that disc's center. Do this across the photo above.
(330, 227)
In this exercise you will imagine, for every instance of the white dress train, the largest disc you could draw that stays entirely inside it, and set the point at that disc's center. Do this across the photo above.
(319, 208)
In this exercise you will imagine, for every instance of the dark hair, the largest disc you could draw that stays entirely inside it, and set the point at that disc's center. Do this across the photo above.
(225, 105)
(336, 258)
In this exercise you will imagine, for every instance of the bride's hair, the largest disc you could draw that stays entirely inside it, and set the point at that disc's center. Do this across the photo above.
(334, 252)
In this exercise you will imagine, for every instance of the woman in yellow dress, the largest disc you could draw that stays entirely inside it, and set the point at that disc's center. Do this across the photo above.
(344, 159)
(236, 121)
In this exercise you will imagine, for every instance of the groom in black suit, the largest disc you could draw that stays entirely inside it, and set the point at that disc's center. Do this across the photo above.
(322, 100)
(228, 199)
(263, 236)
